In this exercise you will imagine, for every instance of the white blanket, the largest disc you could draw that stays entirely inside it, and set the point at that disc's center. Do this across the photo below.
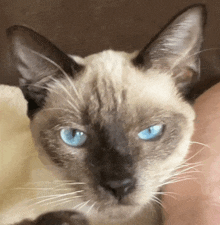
(19, 163)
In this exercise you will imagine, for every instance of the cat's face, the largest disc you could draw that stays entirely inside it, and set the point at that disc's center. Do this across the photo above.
(112, 102)
(115, 121)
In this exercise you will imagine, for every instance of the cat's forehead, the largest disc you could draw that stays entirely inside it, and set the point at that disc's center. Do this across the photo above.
(115, 69)
(110, 81)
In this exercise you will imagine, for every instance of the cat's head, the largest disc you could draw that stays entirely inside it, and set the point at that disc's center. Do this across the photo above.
(116, 121)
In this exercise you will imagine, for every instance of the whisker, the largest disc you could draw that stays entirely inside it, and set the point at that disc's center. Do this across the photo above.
(67, 92)
(200, 143)
(185, 56)
(75, 183)
(55, 197)
(188, 159)
(47, 197)
(55, 182)
(71, 104)
(75, 207)
(63, 88)
(166, 194)
(41, 86)
(204, 50)
(84, 204)
(68, 200)
(60, 201)
(58, 67)
(157, 200)
(177, 180)
(91, 207)
(24, 188)
(183, 169)
(71, 183)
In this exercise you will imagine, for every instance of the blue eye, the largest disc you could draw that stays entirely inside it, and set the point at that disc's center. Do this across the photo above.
(151, 132)
(73, 137)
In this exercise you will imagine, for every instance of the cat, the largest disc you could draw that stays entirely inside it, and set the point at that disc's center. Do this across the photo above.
(112, 127)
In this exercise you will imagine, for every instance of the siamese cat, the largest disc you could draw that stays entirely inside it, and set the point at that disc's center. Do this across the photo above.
(112, 127)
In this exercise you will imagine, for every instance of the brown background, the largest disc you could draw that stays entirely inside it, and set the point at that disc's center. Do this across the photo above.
(82, 27)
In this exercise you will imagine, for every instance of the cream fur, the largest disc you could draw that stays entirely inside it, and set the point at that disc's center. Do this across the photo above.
(19, 163)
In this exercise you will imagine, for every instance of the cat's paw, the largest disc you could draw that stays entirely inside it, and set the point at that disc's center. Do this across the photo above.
(58, 218)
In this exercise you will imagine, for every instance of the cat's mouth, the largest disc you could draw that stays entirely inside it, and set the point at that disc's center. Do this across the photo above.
(114, 210)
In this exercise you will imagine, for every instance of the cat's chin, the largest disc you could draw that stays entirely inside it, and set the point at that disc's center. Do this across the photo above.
(115, 213)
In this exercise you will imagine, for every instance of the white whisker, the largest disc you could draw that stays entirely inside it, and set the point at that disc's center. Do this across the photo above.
(55, 197)
(71, 183)
(75, 207)
(67, 92)
(157, 200)
(60, 201)
(166, 194)
(58, 67)
(177, 180)
(204, 50)
(200, 143)
(91, 207)
(84, 204)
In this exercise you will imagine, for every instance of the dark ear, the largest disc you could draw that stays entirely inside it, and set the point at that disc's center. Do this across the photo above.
(176, 48)
(38, 61)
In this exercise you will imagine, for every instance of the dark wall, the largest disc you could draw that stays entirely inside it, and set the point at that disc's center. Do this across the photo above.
(87, 26)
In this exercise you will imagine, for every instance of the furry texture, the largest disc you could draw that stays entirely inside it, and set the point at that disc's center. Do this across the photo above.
(110, 96)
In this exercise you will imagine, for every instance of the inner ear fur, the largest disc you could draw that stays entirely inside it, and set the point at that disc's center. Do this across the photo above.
(39, 62)
(176, 48)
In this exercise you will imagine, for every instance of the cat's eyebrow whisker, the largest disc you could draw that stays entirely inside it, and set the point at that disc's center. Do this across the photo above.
(52, 90)
(66, 91)
(42, 87)
(71, 104)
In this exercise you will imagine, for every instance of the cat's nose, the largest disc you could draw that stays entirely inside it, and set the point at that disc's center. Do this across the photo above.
(120, 188)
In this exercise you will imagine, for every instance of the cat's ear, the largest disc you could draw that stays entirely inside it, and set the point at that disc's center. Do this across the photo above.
(175, 49)
(39, 62)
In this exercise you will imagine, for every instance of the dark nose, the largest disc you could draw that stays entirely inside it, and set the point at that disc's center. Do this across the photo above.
(120, 188)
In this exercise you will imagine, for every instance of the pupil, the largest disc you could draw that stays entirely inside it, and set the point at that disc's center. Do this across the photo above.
(74, 132)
